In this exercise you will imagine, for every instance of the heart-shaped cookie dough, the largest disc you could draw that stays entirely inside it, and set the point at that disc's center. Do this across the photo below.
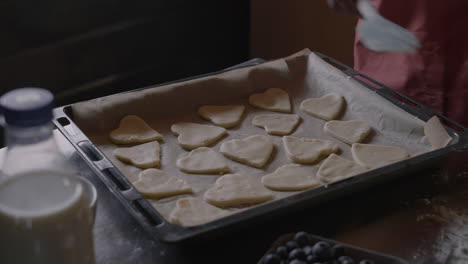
(254, 151)
(274, 99)
(436, 133)
(277, 124)
(194, 211)
(290, 177)
(232, 190)
(133, 129)
(192, 135)
(327, 107)
(143, 156)
(203, 160)
(336, 168)
(222, 115)
(352, 131)
(308, 150)
(373, 156)
(157, 184)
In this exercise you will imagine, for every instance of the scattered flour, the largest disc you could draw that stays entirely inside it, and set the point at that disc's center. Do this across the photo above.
(451, 244)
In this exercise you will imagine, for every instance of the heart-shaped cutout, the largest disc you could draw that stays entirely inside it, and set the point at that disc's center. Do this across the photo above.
(277, 124)
(308, 150)
(373, 156)
(157, 184)
(143, 156)
(203, 160)
(352, 131)
(194, 211)
(254, 151)
(336, 168)
(233, 190)
(274, 99)
(133, 129)
(192, 135)
(222, 115)
(290, 177)
(327, 107)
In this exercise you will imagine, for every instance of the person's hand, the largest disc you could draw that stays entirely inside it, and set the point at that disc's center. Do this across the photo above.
(347, 6)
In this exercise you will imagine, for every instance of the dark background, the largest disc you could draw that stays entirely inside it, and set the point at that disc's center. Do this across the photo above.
(81, 49)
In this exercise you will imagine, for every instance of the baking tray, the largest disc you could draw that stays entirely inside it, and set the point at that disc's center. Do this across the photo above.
(160, 228)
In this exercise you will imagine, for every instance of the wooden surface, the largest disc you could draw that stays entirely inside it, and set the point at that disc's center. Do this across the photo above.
(280, 28)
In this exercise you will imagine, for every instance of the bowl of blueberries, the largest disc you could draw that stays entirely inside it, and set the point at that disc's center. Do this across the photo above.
(304, 248)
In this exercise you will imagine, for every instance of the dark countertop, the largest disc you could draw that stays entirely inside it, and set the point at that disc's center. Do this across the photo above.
(422, 218)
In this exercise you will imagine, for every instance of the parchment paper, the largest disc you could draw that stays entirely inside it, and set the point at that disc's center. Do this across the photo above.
(302, 75)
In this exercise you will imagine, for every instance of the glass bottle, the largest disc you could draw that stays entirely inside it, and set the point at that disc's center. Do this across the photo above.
(44, 212)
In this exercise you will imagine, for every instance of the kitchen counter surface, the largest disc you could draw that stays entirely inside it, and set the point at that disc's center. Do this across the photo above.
(422, 218)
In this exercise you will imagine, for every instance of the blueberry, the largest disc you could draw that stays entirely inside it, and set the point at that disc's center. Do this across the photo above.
(322, 250)
(345, 260)
(282, 252)
(297, 253)
(312, 259)
(297, 261)
(302, 238)
(272, 259)
(291, 244)
(338, 251)
(366, 261)
(308, 250)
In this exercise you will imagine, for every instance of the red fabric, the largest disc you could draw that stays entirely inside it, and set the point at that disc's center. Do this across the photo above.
(437, 75)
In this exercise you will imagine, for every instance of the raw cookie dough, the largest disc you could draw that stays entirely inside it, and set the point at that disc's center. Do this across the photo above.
(154, 183)
(222, 115)
(373, 156)
(277, 124)
(233, 190)
(352, 131)
(194, 211)
(274, 99)
(307, 150)
(254, 151)
(143, 156)
(436, 133)
(192, 135)
(327, 107)
(133, 129)
(203, 160)
(290, 177)
(336, 168)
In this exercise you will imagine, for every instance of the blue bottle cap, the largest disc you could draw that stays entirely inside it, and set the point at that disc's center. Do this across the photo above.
(27, 107)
